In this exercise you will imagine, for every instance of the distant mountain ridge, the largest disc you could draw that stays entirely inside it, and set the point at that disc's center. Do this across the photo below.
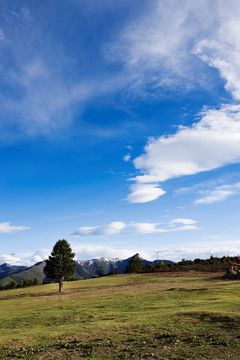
(85, 269)
(27, 273)
(7, 269)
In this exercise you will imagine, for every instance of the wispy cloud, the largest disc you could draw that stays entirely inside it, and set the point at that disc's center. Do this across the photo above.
(127, 157)
(175, 45)
(45, 104)
(40, 87)
(2, 37)
(6, 228)
(170, 45)
(221, 49)
(157, 48)
(218, 194)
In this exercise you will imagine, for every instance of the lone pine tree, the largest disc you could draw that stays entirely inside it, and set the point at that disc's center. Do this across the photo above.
(60, 263)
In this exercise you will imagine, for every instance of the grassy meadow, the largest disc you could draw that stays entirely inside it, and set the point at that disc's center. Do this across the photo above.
(187, 315)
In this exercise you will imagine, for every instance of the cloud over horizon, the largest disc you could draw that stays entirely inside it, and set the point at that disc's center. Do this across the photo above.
(27, 259)
(87, 251)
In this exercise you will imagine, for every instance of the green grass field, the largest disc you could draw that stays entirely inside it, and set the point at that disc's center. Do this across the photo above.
(149, 316)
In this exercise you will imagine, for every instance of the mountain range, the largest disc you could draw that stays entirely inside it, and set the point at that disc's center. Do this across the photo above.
(85, 269)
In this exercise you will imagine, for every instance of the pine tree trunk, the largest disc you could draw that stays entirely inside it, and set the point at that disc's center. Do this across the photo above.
(61, 283)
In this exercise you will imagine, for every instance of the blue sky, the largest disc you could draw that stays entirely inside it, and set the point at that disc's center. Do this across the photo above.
(119, 128)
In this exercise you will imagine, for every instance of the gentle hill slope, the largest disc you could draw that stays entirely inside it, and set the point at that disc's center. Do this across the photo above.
(157, 315)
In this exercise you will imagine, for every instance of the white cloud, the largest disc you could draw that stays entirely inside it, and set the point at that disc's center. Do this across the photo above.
(219, 194)
(142, 193)
(150, 228)
(187, 224)
(147, 228)
(6, 228)
(182, 221)
(110, 229)
(135, 228)
(127, 157)
(212, 142)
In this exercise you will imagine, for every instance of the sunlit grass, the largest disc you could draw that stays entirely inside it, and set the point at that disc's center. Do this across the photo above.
(118, 308)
